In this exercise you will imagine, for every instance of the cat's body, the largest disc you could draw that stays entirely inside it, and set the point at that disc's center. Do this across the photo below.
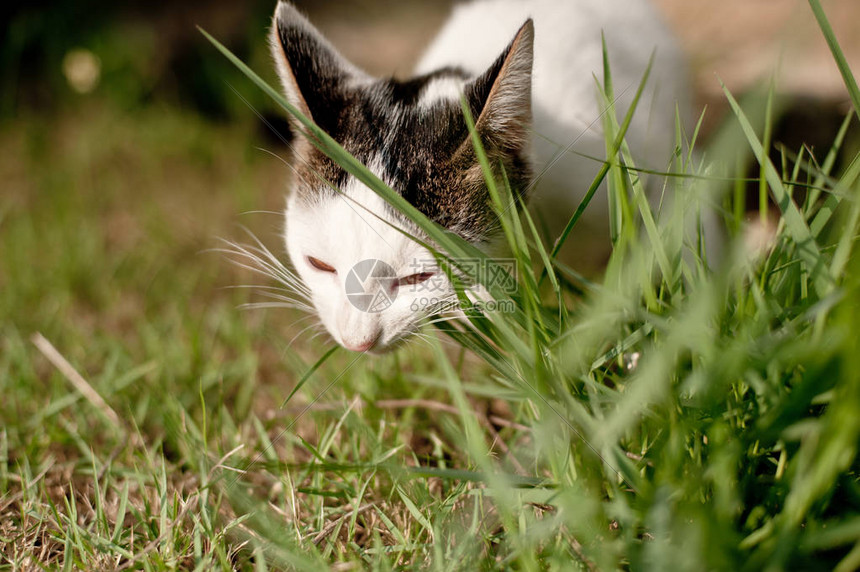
(568, 57)
(412, 134)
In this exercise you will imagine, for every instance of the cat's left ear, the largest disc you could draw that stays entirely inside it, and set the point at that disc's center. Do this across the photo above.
(501, 98)
(315, 77)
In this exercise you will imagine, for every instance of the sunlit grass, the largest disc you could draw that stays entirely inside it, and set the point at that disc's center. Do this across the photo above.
(685, 412)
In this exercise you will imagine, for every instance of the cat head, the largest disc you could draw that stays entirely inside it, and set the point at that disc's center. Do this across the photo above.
(370, 284)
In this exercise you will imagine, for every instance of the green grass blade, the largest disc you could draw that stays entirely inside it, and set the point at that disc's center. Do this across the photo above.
(828, 207)
(838, 55)
(307, 375)
(808, 249)
(601, 175)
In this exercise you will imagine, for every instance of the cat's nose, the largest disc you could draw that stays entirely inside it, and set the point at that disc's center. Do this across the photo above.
(361, 346)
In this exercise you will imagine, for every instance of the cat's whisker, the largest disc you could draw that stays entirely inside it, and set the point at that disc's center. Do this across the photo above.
(422, 340)
(272, 153)
(263, 257)
(281, 304)
(429, 338)
(294, 286)
(316, 324)
(318, 334)
(281, 297)
(436, 318)
(276, 213)
(444, 320)
(263, 262)
(440, 307)
(422, 336)
(263, 287)
(266, 290)
(444, 340)
(276, 293)
(305, 318)
(265, 305)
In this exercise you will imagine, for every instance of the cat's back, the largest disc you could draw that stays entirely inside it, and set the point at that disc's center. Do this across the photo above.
(568, 141)
(566, 32)
(567, 49)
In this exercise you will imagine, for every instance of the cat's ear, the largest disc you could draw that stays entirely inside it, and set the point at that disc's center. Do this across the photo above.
(500, 98)
(314, 75)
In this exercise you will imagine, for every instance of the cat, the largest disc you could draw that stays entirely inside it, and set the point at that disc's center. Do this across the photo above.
(527, 70)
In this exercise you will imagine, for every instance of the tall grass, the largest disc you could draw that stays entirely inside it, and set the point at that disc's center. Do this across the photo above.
(688, 413)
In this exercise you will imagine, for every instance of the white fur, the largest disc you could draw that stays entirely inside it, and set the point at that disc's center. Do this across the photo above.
(567, 57)
(443, 88)
(343, 231)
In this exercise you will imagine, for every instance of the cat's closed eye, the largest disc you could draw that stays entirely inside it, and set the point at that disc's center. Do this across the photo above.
(416, 278)
(320, 265)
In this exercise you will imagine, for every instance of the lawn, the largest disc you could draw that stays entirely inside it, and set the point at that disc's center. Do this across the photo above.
(674, 413)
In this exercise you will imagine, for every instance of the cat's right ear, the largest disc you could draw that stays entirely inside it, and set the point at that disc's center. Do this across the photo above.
(314, 75)
(500, 98)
